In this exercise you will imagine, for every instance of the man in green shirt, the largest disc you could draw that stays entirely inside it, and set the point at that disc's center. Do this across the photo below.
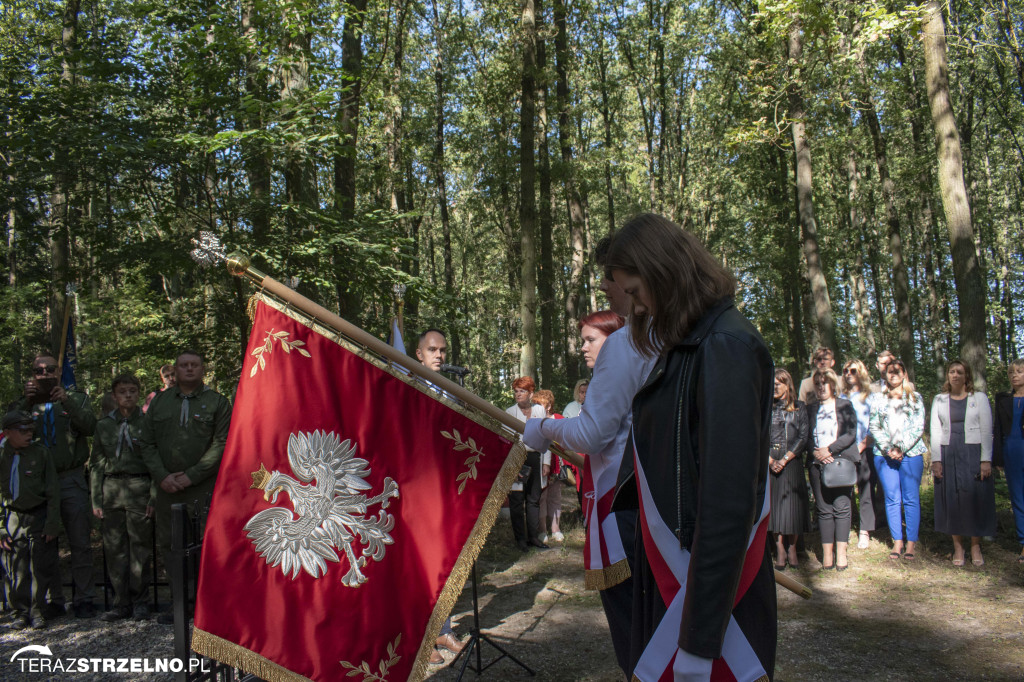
(123, 496)
(30, 512)
(183, 436)
(64, 421)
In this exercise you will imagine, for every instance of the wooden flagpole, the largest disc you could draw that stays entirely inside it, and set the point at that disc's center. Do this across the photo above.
(64, 331)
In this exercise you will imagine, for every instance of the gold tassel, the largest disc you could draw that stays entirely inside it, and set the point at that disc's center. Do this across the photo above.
(239, 657)
(609, 576)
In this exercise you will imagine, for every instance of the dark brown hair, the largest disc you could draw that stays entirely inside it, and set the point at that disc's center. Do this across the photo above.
(682, 279)
(125, 379)
(968, 377)
(784, 377)
(604, 321)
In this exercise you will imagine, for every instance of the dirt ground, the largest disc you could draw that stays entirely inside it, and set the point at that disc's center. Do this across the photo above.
(880, 620)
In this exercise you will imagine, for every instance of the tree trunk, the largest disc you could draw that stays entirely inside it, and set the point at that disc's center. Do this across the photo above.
(804, 193)
(546, 271)
(255, 157)
(606, 121)
(901, 286)
(439, 175)
(349, 298)
(861, 306)
(527, 197)
(64, 214)
(572, 195)
(970, 290)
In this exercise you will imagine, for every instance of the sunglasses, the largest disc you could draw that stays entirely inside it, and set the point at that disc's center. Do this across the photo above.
(44, 369)
(849, 370)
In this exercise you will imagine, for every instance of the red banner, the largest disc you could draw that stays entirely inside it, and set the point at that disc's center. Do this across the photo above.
(351, 502)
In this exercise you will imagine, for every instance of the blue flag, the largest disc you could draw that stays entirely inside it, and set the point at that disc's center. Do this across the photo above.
(67, 372)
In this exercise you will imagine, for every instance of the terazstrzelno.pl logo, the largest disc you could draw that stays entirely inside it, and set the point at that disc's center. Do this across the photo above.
(40, 659)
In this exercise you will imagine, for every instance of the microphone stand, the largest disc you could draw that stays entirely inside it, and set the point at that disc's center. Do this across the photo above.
(476, 636)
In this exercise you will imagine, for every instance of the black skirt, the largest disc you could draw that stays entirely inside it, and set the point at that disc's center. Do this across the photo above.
(788, 491)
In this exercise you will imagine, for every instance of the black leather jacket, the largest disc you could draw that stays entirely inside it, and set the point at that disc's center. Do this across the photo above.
(701, 425)
(789, 430)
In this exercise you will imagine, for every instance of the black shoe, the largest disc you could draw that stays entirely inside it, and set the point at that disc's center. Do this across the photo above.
(38, 623)
(522, 546)
(141, 612)
(20, 623)
(165, 619)
(85, 610)
(538, 544)
(51, 611)
(116, 614)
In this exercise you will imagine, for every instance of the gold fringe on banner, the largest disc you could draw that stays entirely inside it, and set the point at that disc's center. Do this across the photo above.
(609, 576)
(239, 657)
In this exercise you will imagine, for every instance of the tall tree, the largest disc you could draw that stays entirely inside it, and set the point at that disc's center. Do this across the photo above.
(804, 190)
(970, 290)
(527, 193)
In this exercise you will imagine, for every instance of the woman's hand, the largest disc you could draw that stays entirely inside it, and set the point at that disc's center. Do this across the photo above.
(937, 469)
(986, 470)
(777, 465)
(823, 455)
(895, 454)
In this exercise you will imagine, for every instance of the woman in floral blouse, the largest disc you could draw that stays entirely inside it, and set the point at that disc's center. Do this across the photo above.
(897, 424)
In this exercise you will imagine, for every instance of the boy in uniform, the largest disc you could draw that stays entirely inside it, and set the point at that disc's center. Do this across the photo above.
(123, 496)
(30, 515)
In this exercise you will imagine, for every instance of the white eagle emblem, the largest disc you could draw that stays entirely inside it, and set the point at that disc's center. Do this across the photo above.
(331, 512)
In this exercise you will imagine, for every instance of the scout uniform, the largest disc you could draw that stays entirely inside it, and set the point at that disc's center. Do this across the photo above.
(183, 432)
(29, 510)
(64, 430)
(122, 488)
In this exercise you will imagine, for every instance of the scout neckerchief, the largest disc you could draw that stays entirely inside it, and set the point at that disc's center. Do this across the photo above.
(184, 405)
(49, 426)
(124, 436)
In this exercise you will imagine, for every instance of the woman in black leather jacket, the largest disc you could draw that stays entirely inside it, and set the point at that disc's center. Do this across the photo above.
(701, 427)
(788, 485)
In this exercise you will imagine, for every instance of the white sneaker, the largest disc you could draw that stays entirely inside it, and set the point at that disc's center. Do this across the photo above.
(544, 538)
(557, 537)
(863, 540)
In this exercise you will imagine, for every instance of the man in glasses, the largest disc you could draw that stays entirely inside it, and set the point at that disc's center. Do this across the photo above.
(29, 502)
(63, 423)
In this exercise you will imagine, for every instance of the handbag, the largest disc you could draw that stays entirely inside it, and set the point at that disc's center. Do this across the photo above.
(839, 473)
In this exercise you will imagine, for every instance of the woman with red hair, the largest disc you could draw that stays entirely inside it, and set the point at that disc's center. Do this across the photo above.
(526, 491)
(601, 431)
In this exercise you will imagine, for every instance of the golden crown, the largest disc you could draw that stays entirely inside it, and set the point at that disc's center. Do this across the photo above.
(260, 478)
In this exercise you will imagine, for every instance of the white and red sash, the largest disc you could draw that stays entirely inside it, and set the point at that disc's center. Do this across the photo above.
(669, 564)
(604, 556)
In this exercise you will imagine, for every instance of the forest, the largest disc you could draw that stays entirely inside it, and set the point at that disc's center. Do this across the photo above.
(858, 165)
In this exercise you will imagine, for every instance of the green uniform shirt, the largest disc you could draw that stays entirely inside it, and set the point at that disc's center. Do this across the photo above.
(195, 447)
(38, 484)
(66, 434)
(105, 458)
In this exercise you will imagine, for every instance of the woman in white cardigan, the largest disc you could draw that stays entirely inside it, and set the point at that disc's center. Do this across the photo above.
(961, 448)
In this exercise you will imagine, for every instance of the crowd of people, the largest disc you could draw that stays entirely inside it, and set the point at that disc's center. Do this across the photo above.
(696, 462)
(140, 463)
(852, 438)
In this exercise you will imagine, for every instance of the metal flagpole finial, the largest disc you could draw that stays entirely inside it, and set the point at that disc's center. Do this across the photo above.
(208, 249)
(399, 290)
(70, 289)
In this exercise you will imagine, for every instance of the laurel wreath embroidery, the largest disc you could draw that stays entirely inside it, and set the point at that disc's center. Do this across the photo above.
(470, 462)
(382, 666)
(268, 347)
